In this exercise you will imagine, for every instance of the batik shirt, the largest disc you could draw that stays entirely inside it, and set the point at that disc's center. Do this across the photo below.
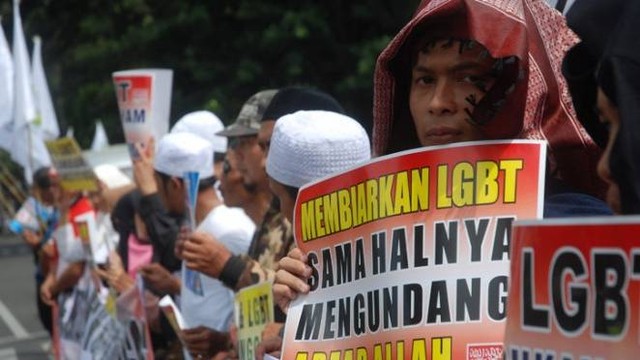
(271, 242)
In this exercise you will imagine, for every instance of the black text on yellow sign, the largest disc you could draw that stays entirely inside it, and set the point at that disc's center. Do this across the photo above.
(247, 347)
(416, 349)
(463, 184)
(255, 312)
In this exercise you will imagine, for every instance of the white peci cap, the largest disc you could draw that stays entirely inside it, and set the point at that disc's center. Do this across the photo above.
(178, 153)
(309, 145)
(204, 124)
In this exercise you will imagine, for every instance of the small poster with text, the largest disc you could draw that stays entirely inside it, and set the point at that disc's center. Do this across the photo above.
(253, 311)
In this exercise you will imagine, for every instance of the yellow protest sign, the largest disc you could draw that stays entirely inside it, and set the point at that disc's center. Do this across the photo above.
(253, 311)
(75, 173)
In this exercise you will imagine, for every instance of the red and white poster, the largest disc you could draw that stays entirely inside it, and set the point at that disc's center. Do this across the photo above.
(410, 253)
(574, 290)
(144, 100)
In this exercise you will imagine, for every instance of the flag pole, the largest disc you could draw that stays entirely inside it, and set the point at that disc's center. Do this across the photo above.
(30, 145)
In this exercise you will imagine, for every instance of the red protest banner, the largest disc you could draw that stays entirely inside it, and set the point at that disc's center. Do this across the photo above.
(574, 292)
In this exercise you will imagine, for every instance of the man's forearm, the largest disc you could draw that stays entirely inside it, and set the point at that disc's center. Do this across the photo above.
(241, 271)
(69, 278)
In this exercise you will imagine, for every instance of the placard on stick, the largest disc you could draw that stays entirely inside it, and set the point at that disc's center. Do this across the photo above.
(144, 101)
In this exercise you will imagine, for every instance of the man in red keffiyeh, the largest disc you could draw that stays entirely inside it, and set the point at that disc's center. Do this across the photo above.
(464, 70)
(482, 69)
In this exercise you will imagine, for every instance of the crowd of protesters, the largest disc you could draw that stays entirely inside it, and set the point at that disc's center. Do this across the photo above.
(460, 70)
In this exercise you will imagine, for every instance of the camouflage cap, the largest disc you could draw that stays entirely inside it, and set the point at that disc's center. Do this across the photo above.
(248, 120)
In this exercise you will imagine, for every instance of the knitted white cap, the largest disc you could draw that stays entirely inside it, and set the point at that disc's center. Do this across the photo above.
(309, 145)
(111, 176)
(180, 152)
(204, 124)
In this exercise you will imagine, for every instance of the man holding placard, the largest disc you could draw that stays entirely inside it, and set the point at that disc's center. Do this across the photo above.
(447, 77)
(205, 303)
(144, 101)
(35, 221)
(67, 283)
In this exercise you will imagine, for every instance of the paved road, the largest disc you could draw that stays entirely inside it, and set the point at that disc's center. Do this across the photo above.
(21, 335)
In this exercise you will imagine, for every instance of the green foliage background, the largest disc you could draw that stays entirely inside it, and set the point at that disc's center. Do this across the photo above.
(221, 51)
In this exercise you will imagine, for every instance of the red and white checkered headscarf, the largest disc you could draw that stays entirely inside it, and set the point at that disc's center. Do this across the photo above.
(539, 107)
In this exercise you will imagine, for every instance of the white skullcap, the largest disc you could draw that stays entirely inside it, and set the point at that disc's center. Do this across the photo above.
(111, 176)
(204, 124)
(178, 153)
(309, 145)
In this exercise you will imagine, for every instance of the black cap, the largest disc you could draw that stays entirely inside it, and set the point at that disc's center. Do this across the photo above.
(291, 99)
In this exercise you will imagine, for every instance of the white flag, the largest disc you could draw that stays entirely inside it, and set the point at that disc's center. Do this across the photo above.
(6, 137)
(46, 120)
(31, 153)
(28, 148)
(6, 81)
(100, 140)
(6, 92)
(25, 110)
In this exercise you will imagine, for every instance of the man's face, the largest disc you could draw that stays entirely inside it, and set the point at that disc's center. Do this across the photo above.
(609, 115)
(48, 195)
(231, 182)
(252, 159)
(97, 197)
(447, 81)
(171, 192)
(53, 194)
(247, 149)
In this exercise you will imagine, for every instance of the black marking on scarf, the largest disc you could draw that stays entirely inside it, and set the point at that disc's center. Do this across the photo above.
(448, 44)
(465, 45)
(472, 100)
(481, 84)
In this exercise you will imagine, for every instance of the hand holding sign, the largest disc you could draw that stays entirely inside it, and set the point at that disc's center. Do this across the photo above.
(144, 101)
(114, 274)
(203, 253)
(159, 279)
(183, 235)
(269, 346)
(202, 341)
(143, 172)
(47, 294)
(291, 278)
(32, 238)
